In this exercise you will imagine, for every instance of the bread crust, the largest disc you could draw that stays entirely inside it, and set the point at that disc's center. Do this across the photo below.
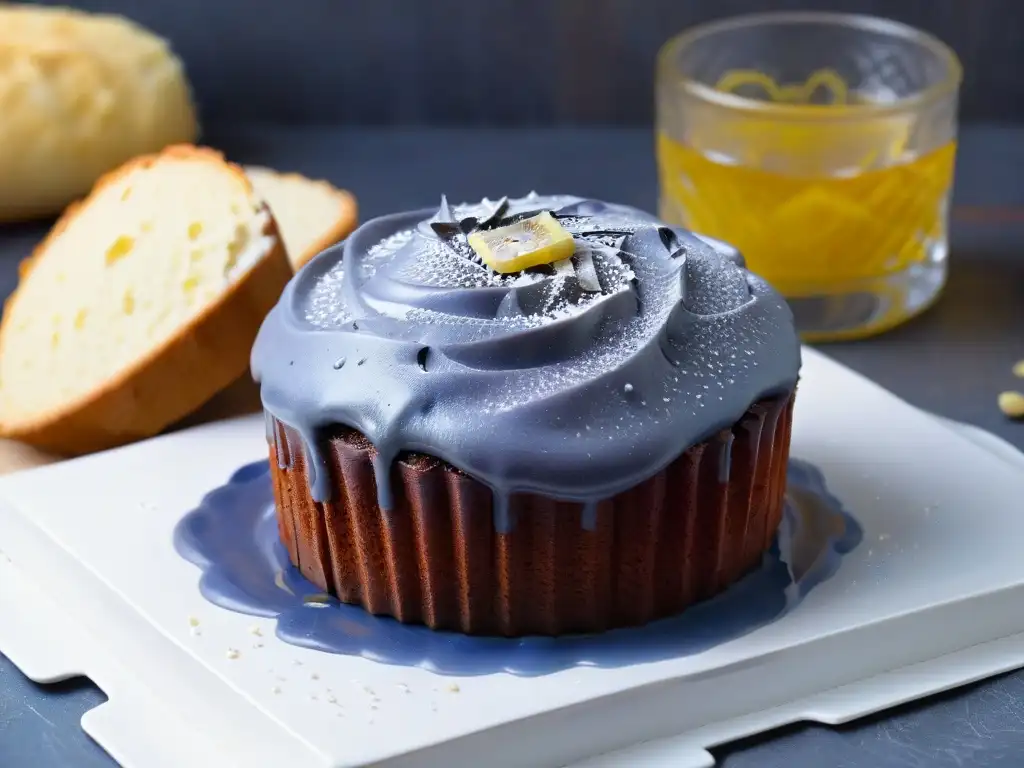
(175, 378)
(344, 223)
(348, 214)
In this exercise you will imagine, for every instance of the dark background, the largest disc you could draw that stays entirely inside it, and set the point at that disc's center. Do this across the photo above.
(344, 89)
(502, 62)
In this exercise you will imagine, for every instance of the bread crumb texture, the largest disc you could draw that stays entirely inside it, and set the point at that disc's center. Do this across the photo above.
(80, 94)
(142, 273)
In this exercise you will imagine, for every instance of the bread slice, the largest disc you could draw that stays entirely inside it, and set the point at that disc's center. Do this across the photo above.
(141, 304)
(312, 215)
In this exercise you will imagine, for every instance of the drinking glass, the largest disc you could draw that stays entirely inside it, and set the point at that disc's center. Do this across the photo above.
(821, 145)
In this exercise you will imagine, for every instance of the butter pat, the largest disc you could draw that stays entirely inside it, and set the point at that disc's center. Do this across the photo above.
(523, 244)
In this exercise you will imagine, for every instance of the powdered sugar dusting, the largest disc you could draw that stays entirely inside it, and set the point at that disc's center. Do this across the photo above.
(384, 251)
(440, 266)
(574, 380)
(710, 289)
(600, 268)
(420, 259)
(325, 306)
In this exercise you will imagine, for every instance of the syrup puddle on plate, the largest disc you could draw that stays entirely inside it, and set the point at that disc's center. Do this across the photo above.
(233, 538)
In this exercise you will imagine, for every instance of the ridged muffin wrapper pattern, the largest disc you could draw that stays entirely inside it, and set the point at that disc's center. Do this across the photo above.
(678, 538)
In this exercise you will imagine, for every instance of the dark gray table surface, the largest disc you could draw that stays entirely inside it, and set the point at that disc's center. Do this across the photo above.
(953, 360)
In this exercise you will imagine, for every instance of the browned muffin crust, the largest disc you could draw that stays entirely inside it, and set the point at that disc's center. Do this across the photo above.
(682, 536)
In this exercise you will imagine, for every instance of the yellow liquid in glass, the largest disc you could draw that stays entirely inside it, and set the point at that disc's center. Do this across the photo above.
(815, 206)
(805, 234)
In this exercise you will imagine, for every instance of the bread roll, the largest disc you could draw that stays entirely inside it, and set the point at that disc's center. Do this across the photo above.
(79, 95)
(140, 305)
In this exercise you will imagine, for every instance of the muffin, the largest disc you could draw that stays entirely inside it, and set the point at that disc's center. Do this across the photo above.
(545, 415)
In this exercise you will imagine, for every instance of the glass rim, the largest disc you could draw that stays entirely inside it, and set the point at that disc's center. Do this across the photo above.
(948, 85)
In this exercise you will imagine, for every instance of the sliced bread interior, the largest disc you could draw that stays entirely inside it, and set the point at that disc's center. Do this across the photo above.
(312, 214)
(141, 304)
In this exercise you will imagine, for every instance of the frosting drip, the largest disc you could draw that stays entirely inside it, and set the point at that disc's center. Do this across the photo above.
(575, 381)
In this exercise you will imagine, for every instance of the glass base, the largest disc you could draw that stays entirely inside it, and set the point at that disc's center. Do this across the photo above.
(868, 307)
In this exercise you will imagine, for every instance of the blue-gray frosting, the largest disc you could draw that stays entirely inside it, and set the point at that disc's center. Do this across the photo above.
(575, 383)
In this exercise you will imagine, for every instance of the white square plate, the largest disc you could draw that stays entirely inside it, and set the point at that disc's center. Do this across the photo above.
(932, 598)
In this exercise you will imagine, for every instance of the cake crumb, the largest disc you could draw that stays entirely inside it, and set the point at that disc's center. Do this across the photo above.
(454, 688)
(276, 689)
(233, 653)
(193, 621)
(1018, 369)
(369, 690)
(297, 663)
(257, 645)
(254, 630)
(331, 699)
(195, 631)
(314, 676)
(404, 688)
(1012, 404)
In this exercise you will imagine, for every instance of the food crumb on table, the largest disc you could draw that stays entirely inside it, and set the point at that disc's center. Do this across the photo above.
(1012, 404)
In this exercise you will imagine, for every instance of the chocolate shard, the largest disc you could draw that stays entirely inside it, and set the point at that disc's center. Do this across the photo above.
(577, 224)
(444, 213)
(582, 208)
(548, 269)
(444, 223)
(495, 215)
(563, 268)
(445, 229)
(586, 272)
(669, 238)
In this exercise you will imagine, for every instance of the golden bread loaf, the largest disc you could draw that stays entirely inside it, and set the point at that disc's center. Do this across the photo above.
(80, 94)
